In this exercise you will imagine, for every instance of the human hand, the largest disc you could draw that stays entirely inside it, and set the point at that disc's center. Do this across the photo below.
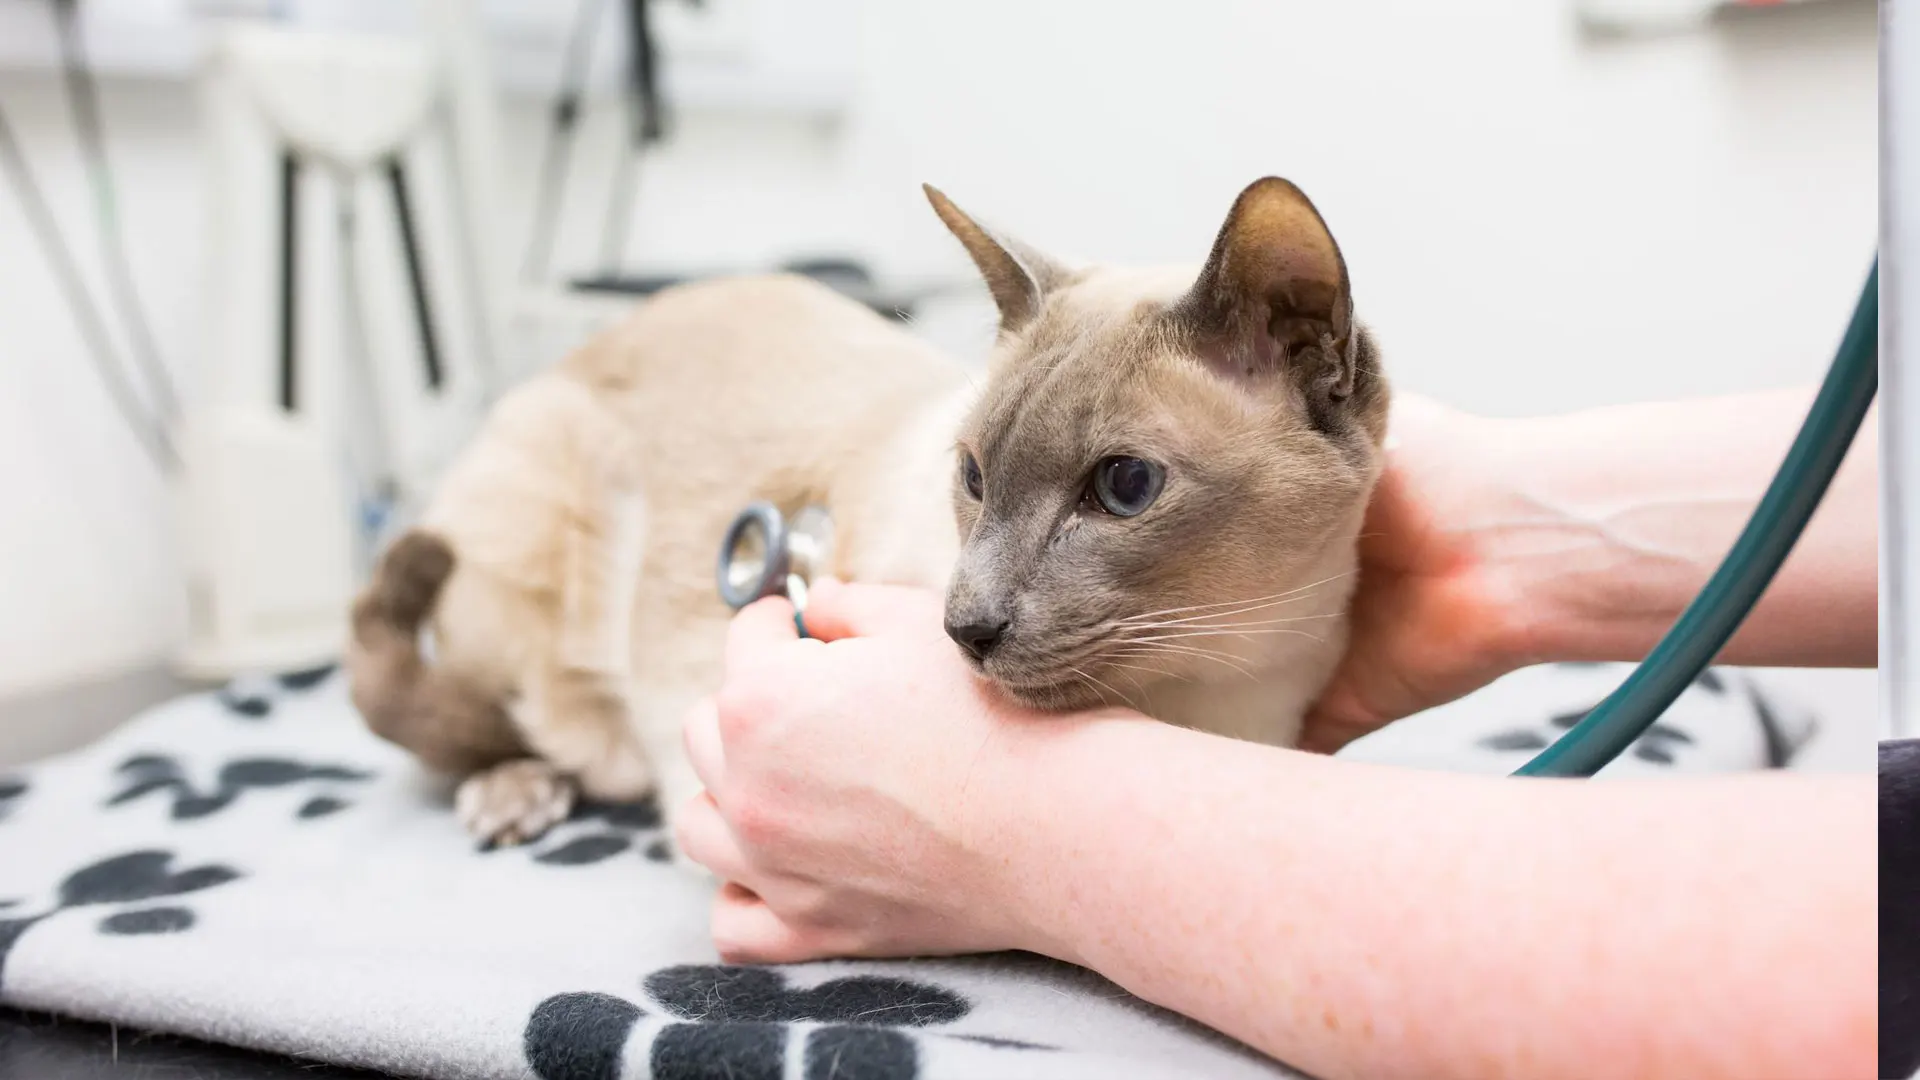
(1434, 615)
(857, 784)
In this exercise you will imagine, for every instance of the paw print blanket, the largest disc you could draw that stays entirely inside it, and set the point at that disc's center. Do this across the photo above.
(251, 867)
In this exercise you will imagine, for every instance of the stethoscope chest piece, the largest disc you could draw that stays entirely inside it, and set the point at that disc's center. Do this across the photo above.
(763, 554)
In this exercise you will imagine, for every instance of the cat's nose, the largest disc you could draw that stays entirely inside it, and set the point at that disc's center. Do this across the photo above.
(977, 637)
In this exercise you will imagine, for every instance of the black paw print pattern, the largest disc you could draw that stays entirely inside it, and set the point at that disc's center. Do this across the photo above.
(146, 774)
(735, 1022)
(1781, 744)
(254, 700)
(596, 832)
(135, 877)
(12, 789)
(1656, 746)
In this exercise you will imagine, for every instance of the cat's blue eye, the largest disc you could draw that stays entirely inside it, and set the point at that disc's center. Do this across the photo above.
(1126, 486)
(970, 475)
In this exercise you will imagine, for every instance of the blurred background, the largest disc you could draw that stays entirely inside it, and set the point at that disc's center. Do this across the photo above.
(1545, 205)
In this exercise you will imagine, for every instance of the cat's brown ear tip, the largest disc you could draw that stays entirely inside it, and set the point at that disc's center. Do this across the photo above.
(954, 218)
(1271, 187)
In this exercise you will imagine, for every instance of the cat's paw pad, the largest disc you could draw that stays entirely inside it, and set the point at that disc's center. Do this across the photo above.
(513, 803)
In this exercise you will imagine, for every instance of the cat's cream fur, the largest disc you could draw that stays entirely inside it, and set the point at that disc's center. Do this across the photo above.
(566, 567)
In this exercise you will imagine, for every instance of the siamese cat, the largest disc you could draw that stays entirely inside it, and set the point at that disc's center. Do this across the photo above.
(1152, 500)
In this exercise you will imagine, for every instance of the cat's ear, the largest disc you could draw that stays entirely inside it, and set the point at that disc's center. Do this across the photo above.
(1273, 296)
(1017, 276)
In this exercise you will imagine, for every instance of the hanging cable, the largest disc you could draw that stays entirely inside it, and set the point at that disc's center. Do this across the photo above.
(566, 117)
(646, 125)
(150, 432)
(617, 223)
(83, 93)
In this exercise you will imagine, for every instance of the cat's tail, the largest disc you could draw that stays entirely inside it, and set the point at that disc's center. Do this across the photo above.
(448, 725)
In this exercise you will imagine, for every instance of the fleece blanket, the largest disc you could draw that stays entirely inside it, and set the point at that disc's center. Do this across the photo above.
(251, 867)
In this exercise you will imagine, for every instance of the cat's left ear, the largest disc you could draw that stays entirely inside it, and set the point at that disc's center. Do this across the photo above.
(1018, 276)
(1273, 297)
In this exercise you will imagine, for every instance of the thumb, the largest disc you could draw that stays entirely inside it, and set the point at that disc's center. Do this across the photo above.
(838, 609)
(761, 625)
(1337, 719)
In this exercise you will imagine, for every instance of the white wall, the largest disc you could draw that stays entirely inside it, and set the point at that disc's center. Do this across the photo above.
(89, 577)
(1534, 222)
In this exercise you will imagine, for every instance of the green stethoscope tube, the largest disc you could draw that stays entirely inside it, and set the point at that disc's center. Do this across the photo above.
(1703, 629)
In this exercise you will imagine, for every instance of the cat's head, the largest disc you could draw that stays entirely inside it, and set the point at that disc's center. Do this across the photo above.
(1157, 458)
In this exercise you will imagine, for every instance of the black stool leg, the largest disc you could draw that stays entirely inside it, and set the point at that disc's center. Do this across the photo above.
(1900, 908)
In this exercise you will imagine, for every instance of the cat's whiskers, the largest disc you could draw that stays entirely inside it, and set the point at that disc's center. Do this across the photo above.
(1229, 614)
(1219, 604)
(1162, 648)
(1146, 636)
(1227, 633)
(1100, 682)
(1135, 681)
(1184, 625)
(1245, 628)
(1218, 619)
(1241, 607)
(1193, 647)
(1082, 680)
(1151, 670)
(1218, 659)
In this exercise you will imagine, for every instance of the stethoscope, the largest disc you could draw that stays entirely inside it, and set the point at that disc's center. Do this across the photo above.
(764, 554)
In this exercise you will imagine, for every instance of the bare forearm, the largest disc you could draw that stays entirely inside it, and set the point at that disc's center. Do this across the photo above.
(1328, 914)
(1618, 517)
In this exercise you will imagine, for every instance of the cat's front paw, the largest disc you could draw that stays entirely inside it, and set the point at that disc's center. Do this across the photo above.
(514, 802)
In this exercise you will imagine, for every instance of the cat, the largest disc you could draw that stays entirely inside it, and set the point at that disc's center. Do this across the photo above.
(1152, 500)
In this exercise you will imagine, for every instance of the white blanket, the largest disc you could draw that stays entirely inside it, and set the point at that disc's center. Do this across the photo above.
(252, 867)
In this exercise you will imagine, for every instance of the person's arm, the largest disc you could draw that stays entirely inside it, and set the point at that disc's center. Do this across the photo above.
(1350, 920)
(1620, 515)
(1493, 544)
(1358, 921)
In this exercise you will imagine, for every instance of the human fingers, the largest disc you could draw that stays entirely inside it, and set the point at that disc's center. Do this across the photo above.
(700, 732)
(746, 931)
(760, 626)
(838, 610)
(702, 835)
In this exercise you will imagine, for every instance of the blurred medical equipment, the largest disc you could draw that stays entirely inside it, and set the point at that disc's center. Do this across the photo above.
(358, 308)
(147, 414)
(361, 315)
(355, 312)
(643, 98)
(83, 96)
(266, 519)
